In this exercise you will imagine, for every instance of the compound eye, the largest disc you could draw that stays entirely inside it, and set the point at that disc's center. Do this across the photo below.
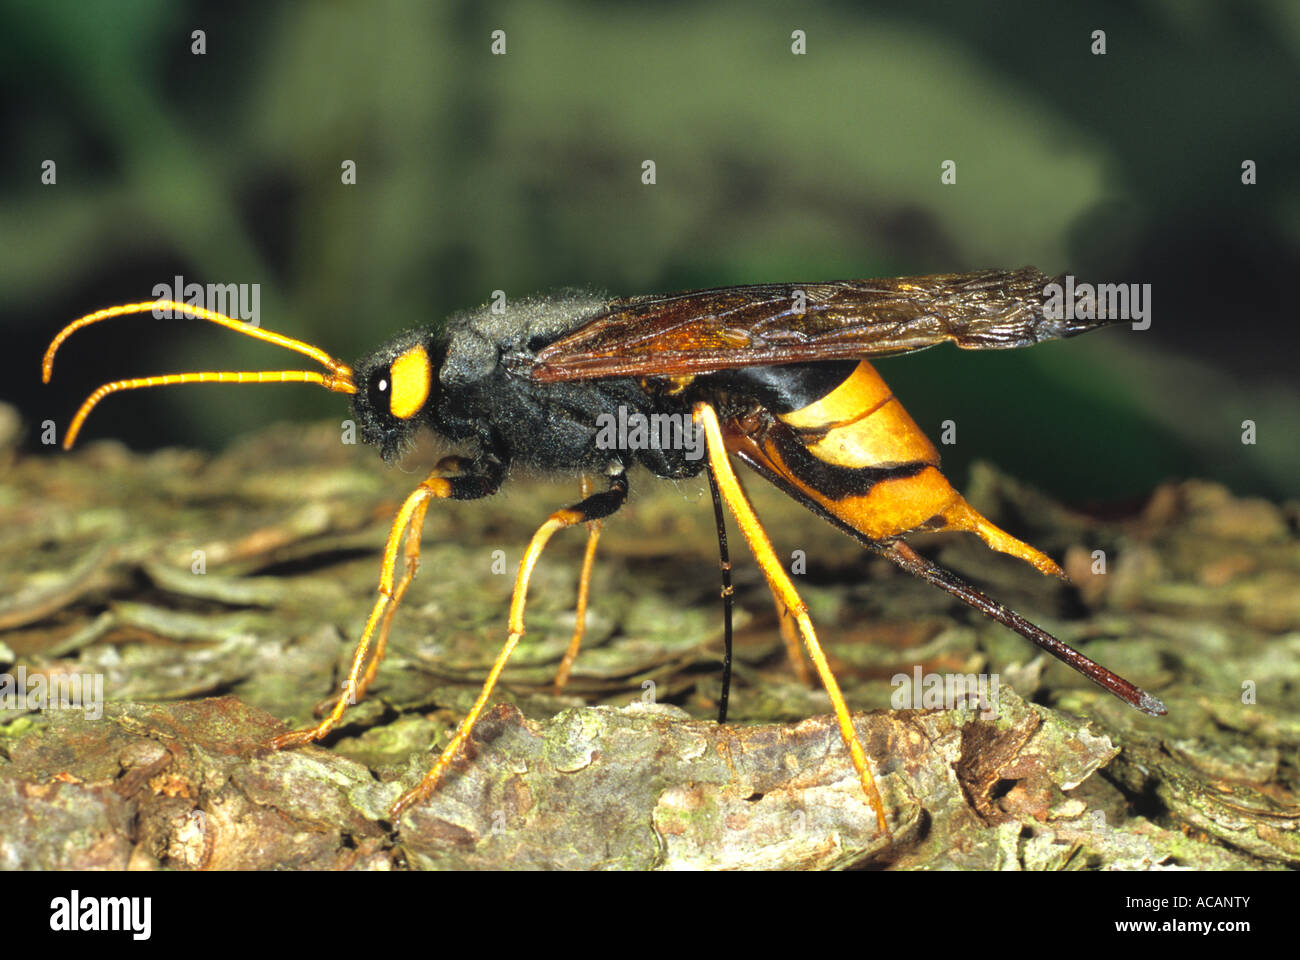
(410, 374)
(379, 390)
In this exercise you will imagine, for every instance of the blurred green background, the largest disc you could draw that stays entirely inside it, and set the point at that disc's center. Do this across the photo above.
(523, 172)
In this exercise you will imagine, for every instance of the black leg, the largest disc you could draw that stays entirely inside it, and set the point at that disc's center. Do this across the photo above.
(724, 560)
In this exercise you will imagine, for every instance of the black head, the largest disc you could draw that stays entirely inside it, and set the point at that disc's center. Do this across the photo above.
(397, 388)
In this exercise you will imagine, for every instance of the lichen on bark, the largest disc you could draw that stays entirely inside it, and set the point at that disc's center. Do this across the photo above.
(218, 599)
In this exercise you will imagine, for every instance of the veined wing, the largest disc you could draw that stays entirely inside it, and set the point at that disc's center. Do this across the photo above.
(774, 323)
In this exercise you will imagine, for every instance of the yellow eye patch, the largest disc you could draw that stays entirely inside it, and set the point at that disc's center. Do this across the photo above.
(410, 374)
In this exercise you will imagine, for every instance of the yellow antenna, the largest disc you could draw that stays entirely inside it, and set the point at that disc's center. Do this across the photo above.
(338, 379)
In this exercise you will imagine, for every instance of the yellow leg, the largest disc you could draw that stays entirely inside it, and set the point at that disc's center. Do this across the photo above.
(409, 522)
(584, 589)
(586, 487)
(790, 634)
(786, 595)
(557, 521)
(412, 551)
(447, 465)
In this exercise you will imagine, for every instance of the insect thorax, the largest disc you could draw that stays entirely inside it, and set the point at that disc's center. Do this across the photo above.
(584, 426)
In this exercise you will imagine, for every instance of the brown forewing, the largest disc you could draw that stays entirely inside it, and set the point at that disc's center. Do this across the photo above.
(704, 330)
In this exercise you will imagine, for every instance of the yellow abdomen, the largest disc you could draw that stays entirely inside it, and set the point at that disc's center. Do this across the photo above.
(873, 469)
